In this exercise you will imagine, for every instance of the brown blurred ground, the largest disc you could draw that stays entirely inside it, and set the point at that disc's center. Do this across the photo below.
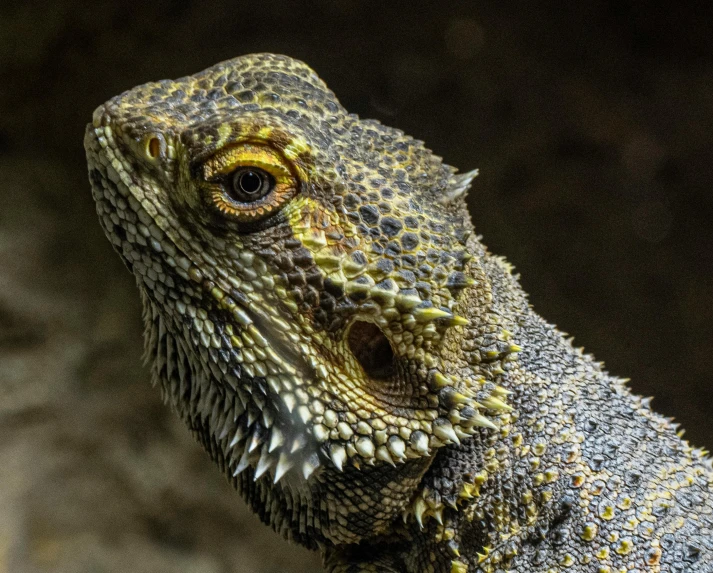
(591, 122)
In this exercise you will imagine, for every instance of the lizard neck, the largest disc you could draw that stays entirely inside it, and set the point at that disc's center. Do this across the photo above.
(515, 482)
(560, 474)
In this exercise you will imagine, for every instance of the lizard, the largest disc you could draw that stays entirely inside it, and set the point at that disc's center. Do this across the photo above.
(372, 380)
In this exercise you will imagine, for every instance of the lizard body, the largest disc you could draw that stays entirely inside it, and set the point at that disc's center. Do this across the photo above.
(370, 378)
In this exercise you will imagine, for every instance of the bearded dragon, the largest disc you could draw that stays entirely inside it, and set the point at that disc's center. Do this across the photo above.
(373, 381)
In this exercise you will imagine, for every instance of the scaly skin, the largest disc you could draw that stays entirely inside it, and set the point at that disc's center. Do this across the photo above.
(370, 378)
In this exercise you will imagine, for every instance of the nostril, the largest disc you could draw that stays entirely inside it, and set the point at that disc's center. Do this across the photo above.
(154, 146)
(372, 349)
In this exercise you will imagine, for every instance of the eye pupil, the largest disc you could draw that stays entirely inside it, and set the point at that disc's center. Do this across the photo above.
(250, 184)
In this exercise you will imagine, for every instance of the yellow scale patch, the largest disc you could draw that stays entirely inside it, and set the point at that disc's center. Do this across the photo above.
(308, 220)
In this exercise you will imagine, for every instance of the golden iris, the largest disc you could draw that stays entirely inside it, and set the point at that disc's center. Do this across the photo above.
(249, 181)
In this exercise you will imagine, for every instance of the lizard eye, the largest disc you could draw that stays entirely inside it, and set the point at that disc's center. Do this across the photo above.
(249, 181)
(251, 184)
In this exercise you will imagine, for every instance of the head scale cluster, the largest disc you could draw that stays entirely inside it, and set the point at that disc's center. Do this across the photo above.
(306, 330)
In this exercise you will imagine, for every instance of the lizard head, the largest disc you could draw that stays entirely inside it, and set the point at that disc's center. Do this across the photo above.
(301, 269)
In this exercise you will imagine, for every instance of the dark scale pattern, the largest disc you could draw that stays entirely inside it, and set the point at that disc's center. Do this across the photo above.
(371, 379)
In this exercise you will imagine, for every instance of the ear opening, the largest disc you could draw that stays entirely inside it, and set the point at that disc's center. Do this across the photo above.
(372, 349)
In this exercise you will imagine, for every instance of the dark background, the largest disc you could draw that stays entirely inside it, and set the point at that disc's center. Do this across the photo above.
(591, 123)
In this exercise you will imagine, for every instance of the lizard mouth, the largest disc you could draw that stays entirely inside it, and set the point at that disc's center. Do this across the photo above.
(372, 349)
